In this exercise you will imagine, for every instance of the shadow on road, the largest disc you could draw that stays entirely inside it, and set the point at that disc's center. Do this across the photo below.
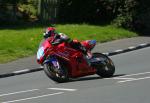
(92, 78)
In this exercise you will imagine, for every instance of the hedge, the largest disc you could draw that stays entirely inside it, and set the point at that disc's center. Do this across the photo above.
(131, 14)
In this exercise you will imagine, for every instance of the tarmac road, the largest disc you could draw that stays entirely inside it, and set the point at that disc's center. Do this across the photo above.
(129, 85)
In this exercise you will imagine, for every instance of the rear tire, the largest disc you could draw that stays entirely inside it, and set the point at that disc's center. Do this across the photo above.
(50, 71)
(106, 69)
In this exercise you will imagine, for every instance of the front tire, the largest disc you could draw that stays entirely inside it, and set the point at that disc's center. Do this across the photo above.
(52, 73)
(106, 68)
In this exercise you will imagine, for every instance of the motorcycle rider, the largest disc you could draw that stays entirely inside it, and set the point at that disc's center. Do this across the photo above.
(61, 37)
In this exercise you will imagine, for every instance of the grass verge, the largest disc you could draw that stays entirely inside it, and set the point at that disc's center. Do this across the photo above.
(18, 42)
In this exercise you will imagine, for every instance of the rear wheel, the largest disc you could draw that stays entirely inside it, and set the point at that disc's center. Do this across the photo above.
(106, 67)
(58, 75)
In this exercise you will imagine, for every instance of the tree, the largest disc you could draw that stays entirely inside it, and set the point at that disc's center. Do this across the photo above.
(17, 10)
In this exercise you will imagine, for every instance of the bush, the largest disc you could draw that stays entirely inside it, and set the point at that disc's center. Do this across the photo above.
(142, 18)
(15, 11)
(93, 11)
(132, 14)
(125, 13)
(98, 11)
(28, 9)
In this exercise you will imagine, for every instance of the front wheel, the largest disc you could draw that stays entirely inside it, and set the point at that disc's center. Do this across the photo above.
(106, 67)
(58, 75)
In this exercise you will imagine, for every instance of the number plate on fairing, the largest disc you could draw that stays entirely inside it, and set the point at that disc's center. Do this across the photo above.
(40, 52)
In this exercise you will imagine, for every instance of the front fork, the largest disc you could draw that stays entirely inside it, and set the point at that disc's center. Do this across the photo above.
(54, 62)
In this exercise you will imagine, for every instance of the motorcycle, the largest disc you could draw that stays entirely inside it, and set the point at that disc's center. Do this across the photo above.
(61, 62)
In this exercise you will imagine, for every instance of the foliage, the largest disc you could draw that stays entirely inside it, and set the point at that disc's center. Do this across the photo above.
(28, 8)
(142, 18)
(131, 14)
(126, 12)
(17, 10)
(93, 11)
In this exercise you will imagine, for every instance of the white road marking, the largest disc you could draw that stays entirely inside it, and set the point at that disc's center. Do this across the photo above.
(41, 66)
(20, 71)
(33, 97)
(143, 44)
(121, 78)
(135, 74)
(18, 92)
(133, 80)
(105, 53)
(131, 47)
(126, 78)
(63, 89)
(119, 50)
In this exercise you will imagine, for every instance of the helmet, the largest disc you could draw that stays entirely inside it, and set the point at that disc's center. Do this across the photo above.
(50, 31)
